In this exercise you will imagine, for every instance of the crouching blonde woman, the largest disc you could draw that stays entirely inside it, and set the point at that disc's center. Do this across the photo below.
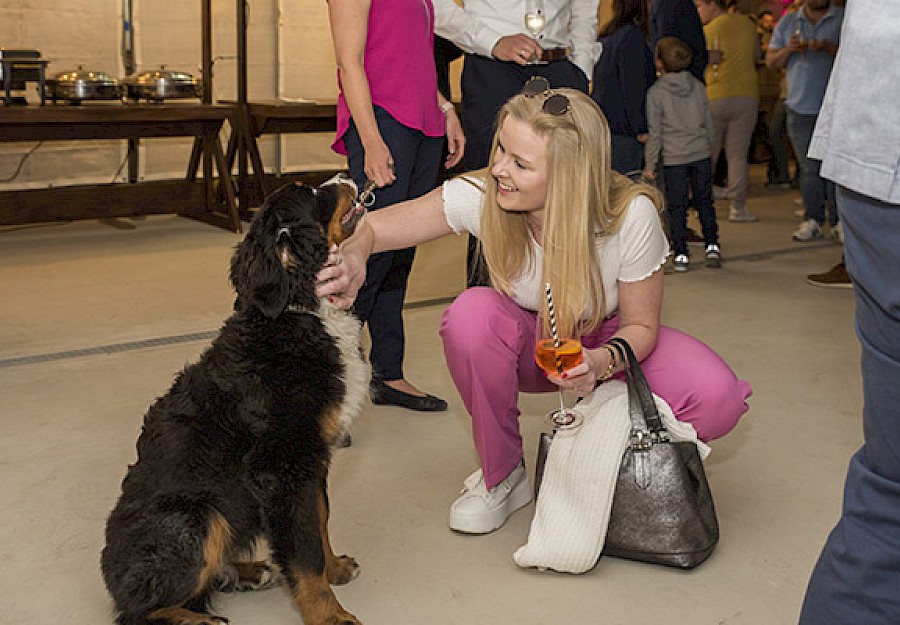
(547, 209)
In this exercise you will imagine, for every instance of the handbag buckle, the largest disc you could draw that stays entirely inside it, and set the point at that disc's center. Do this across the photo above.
(641, 440)
(641, 444)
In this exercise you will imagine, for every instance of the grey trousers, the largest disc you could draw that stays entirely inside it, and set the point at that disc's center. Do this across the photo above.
(733, 122)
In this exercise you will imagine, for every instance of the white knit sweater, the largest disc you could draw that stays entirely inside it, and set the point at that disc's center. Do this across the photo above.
(572, 511)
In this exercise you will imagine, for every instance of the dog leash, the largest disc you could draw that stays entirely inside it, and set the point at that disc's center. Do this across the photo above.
(367, 195)
(364, 200)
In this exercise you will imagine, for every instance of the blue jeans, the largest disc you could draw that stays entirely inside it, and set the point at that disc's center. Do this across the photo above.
(379, 304)
(857, 577)
(813, 188)
(695, 177)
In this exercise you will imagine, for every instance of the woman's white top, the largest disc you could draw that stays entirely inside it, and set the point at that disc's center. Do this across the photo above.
(631, 254)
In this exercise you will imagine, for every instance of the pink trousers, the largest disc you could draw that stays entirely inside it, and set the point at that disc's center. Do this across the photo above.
(489, 345)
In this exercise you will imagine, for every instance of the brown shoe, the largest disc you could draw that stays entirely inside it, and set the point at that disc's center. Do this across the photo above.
(835, 278)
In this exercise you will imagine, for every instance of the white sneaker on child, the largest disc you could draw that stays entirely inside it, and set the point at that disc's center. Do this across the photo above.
(481, 511)
(713, 256)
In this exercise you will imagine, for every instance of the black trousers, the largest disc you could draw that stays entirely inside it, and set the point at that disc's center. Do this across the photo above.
(681, 181)
(486, 86)
(379, 303)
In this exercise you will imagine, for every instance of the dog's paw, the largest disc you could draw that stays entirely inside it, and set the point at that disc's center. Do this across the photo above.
(342, 570)
(247, 576)
(345, 618)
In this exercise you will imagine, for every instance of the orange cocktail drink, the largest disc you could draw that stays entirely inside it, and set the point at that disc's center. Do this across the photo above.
(556, 360)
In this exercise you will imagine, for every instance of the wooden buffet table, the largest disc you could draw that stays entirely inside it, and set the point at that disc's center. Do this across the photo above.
(132, 122)
(274, 117)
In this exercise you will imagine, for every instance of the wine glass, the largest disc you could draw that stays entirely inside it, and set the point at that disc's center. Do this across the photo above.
(535, 22)
(802, 44)
(555, 356)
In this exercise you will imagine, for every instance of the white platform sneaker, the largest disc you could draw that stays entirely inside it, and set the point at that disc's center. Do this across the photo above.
(480, 511)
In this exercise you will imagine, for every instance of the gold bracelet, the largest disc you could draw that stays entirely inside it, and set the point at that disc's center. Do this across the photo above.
(611, 367)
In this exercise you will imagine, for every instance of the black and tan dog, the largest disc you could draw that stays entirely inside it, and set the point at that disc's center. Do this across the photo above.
(239, 448)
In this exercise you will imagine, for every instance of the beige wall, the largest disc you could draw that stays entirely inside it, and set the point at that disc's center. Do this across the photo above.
(289, 54)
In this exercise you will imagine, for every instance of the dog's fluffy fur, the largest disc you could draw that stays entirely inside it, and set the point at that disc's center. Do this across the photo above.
(239, 448)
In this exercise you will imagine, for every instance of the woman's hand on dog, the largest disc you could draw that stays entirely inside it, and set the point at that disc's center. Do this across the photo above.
(341, 278)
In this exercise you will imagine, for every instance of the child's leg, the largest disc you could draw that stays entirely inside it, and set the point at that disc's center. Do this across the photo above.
(676, 191)
(701, 185)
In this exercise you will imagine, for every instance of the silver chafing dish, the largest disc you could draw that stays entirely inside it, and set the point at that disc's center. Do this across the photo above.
(80, 84)
(161, 84)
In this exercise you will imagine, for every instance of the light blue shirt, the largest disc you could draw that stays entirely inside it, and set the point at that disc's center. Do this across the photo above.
(808, 72)
(857, 136)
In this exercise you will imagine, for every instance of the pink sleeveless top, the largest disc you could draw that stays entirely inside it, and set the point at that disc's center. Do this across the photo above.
(399, 63)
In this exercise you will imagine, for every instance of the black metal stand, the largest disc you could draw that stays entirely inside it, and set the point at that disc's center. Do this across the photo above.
(246, 142)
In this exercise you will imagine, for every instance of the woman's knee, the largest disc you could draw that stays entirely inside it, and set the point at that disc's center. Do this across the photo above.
(720, 405)
(479, 316)
(698, 384)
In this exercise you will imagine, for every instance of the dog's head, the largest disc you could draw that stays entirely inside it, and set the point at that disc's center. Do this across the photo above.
(288, 242)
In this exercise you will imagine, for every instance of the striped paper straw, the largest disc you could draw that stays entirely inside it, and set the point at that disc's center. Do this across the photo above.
(553, 330)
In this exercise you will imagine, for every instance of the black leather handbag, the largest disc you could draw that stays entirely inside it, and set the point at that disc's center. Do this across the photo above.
(662, 509)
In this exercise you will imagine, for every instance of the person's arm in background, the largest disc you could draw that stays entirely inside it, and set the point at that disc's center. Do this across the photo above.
(653, 146)
(454, 23)
(633, 76)
(708, 125)
(349, 29)
(584, 47)
(456, 139)
(782, 45)
(689, 29)
(823, 45)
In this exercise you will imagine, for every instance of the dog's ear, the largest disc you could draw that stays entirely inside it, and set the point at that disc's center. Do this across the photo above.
(258, 275)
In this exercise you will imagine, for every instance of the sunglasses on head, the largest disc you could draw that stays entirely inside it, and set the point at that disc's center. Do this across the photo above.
(554, 103)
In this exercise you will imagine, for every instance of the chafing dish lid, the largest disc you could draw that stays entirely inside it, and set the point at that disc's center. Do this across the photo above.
(84, 76)
(155, 76)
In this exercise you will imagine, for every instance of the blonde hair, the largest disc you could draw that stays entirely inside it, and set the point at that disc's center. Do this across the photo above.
(585, 199)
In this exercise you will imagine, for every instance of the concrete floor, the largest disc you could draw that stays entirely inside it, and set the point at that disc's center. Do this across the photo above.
(98, 317)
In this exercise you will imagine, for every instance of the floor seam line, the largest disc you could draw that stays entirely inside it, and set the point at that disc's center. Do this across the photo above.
(127, 346)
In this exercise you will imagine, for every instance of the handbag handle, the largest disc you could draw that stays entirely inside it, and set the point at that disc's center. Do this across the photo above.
(641, 405)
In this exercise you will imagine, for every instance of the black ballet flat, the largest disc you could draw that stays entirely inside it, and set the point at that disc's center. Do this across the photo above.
(384, 395)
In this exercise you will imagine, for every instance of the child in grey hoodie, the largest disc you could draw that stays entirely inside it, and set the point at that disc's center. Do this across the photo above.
(681, 132)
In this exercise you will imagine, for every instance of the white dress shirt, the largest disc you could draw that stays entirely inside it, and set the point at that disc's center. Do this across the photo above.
(478, 26)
